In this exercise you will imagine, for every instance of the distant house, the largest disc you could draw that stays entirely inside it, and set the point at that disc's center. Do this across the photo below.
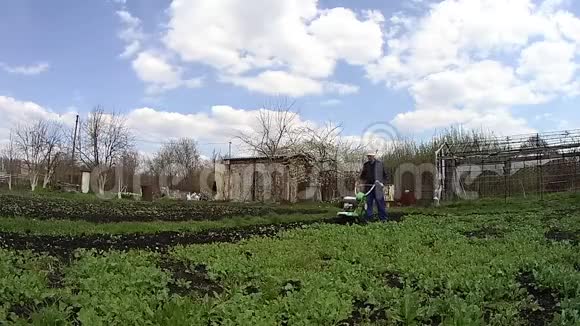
(281, 179)
(277, 179)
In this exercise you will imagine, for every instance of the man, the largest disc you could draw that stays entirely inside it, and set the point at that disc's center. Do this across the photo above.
(373, 173)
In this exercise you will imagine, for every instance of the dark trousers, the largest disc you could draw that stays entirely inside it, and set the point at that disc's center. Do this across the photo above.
(381, 206)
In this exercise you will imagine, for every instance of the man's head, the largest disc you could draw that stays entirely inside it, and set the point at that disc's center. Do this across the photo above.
(371, 156)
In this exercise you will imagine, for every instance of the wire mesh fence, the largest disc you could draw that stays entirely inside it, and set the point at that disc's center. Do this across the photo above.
(523, 165)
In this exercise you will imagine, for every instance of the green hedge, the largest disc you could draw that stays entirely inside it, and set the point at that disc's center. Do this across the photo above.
(116, 211)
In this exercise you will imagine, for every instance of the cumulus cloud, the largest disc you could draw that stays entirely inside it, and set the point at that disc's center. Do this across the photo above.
(221, 124)
(151, 126)
(131, 33)
(27, 70)
(283, 83)
(131, 49)
(550, 65)
(160, 75)
(14, 112)
(152, 67)
(296, 45)
(277, 82)
(499, 121)
(455, 61)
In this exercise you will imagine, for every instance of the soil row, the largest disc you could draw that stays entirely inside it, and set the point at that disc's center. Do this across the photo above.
(107, 211)
(64, 245)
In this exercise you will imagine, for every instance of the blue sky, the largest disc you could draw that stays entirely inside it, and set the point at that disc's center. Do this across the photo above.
(65, 56)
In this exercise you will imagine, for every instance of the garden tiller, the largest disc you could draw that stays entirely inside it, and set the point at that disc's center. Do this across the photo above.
(354, 208)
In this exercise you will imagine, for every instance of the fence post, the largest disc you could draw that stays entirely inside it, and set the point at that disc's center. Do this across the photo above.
(509, 181)
(505, 181)
(483, 177)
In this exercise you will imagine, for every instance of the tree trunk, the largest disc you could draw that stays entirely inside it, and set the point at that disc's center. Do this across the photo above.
(33, 181)
(101, 182)
(46, 180)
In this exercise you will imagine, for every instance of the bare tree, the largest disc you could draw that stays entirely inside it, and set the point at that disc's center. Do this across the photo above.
(161, 162)
(176, 159)
(105, 137)
(9, 156)
(215, 157)
(331, 156)
(130, 162)
(320, 148)
(186, 154)
(54, 142)
(321, 143)
(38, 144)
(276, 129)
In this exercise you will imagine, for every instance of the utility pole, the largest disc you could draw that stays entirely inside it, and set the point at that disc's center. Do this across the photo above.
(72, 159)
(229, 169)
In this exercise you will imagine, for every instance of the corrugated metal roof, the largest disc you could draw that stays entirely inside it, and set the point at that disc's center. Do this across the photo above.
(254, 158)
(262, 158)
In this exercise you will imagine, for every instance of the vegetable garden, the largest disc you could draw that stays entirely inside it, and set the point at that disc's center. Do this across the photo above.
(68, 261)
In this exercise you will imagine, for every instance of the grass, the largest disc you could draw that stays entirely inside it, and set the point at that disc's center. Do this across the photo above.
(40, 192)
(552, 201)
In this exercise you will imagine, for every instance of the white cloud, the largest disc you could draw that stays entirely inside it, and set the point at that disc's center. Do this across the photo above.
(349, 38)
(34, 69)
(481, 85)
(569, 25)
(130, 21)
(131, 49)
(456, 32)
(550, 6)
(278, 83)
(15, 112)
(221, 125)
(457, 63)
(340, 88)
(550, 65)
(131, 33)
(151, 126)
(499, 121)
(294, 42)
(153, 69)
(160, 75)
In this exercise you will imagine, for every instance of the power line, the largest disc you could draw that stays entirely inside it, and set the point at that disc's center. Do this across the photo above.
(164, 142)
